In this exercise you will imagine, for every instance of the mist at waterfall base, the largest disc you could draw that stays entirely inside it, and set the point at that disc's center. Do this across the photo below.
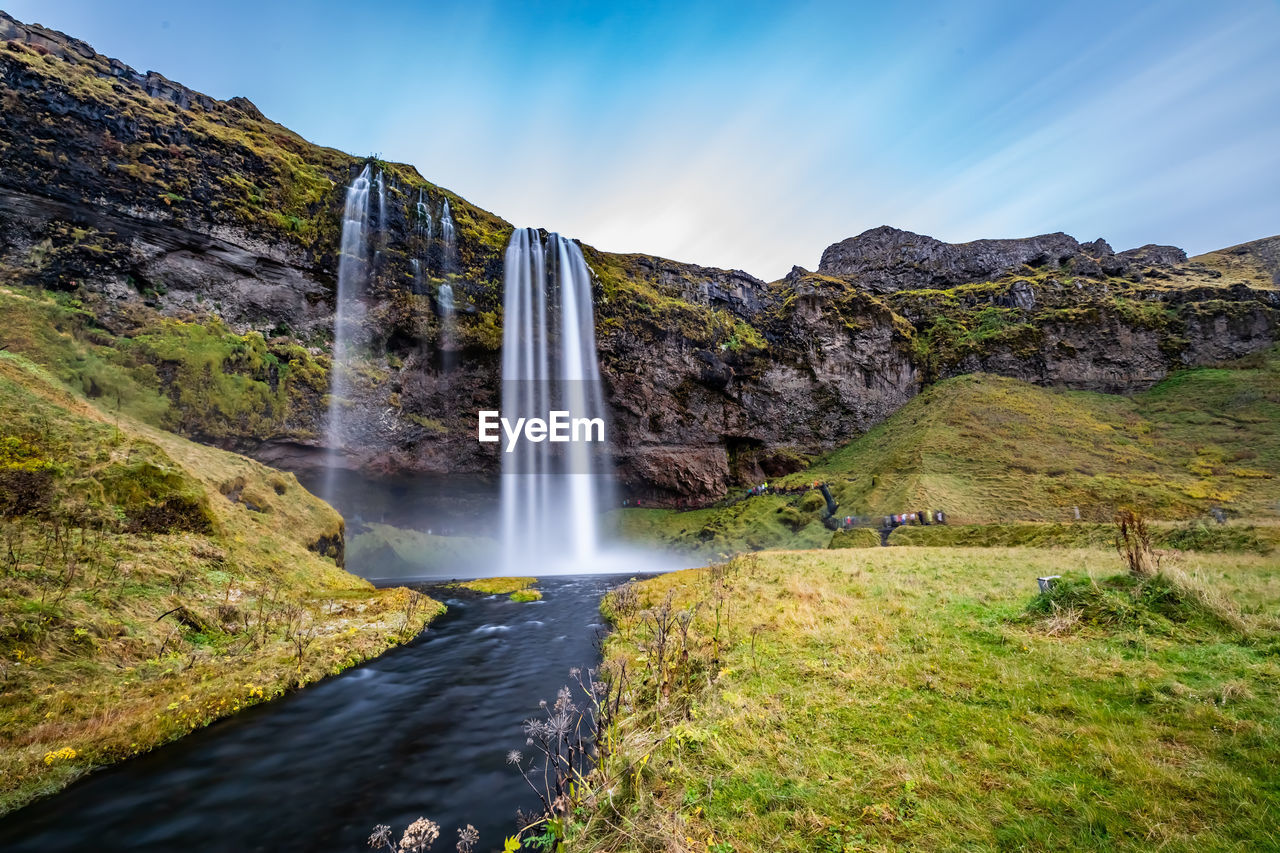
(544, 513)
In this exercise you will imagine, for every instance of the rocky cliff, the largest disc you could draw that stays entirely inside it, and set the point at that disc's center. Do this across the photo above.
(166, 217)
(886, 259)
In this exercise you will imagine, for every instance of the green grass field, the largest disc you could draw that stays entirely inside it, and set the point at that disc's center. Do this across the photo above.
(929, 699)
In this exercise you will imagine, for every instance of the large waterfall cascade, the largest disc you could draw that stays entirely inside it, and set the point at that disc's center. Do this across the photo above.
(348, 312)
(551, 494)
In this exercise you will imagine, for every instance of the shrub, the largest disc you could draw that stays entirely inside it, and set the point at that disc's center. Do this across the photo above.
(1158, 603)
(812, 501)
(1133, 542)
(174, 514)
(1199, 536)
(792, 517)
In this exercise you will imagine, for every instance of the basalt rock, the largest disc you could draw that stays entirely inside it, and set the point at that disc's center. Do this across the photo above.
(1152, 255)
(885, 259)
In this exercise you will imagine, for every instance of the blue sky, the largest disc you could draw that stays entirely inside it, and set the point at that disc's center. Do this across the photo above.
(752, 135)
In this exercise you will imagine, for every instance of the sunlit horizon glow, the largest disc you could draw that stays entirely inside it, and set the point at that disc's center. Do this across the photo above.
(752, 135)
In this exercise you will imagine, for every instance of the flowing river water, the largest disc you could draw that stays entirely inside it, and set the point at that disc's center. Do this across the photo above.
(423, 730)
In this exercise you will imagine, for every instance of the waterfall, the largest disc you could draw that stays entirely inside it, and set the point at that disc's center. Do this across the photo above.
(348, 315)
(450, 258)
(551, 494)
(424, 224)
(417, 276)
(444, 299)
(382, 204)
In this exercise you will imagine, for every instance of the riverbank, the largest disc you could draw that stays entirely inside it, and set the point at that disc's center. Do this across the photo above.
(424, 730)
(150, 585)
(866, 699)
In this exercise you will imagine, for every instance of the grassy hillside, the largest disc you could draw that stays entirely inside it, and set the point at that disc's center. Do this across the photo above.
(929, 699)
(149, 585)
(988, 448)
(1198, 535)
(991, 449)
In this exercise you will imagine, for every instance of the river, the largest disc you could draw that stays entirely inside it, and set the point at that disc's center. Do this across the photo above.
(423, 730)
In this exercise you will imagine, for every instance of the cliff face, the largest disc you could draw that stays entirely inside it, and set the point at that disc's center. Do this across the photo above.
(160, 210)
(886, 259)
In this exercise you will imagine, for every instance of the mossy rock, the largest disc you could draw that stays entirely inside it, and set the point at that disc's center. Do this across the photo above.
(812, 501)
(857, 537)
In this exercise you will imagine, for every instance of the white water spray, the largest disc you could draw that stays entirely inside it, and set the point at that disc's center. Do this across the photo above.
(552, 494)
(450, 258)
(382, 204)
(424, 224)
(348, 315)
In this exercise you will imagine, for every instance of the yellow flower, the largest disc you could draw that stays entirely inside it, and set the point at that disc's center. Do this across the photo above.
(64, 754)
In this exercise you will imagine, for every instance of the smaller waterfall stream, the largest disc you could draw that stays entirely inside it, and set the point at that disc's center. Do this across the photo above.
(444, 299)
(449, 261)
(424, 224)
(382, 203)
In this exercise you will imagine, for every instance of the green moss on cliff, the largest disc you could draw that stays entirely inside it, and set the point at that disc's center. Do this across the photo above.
(634, 301)
(215, 161)
(198, 378)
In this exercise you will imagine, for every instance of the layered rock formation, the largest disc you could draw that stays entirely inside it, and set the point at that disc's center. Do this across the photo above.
(155, 205)
(884, 259)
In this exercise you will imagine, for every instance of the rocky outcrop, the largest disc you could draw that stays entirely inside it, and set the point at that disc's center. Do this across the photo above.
(885, 259)
(1152, 255)
(248, 282)
(733, 290)
(691, 421)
